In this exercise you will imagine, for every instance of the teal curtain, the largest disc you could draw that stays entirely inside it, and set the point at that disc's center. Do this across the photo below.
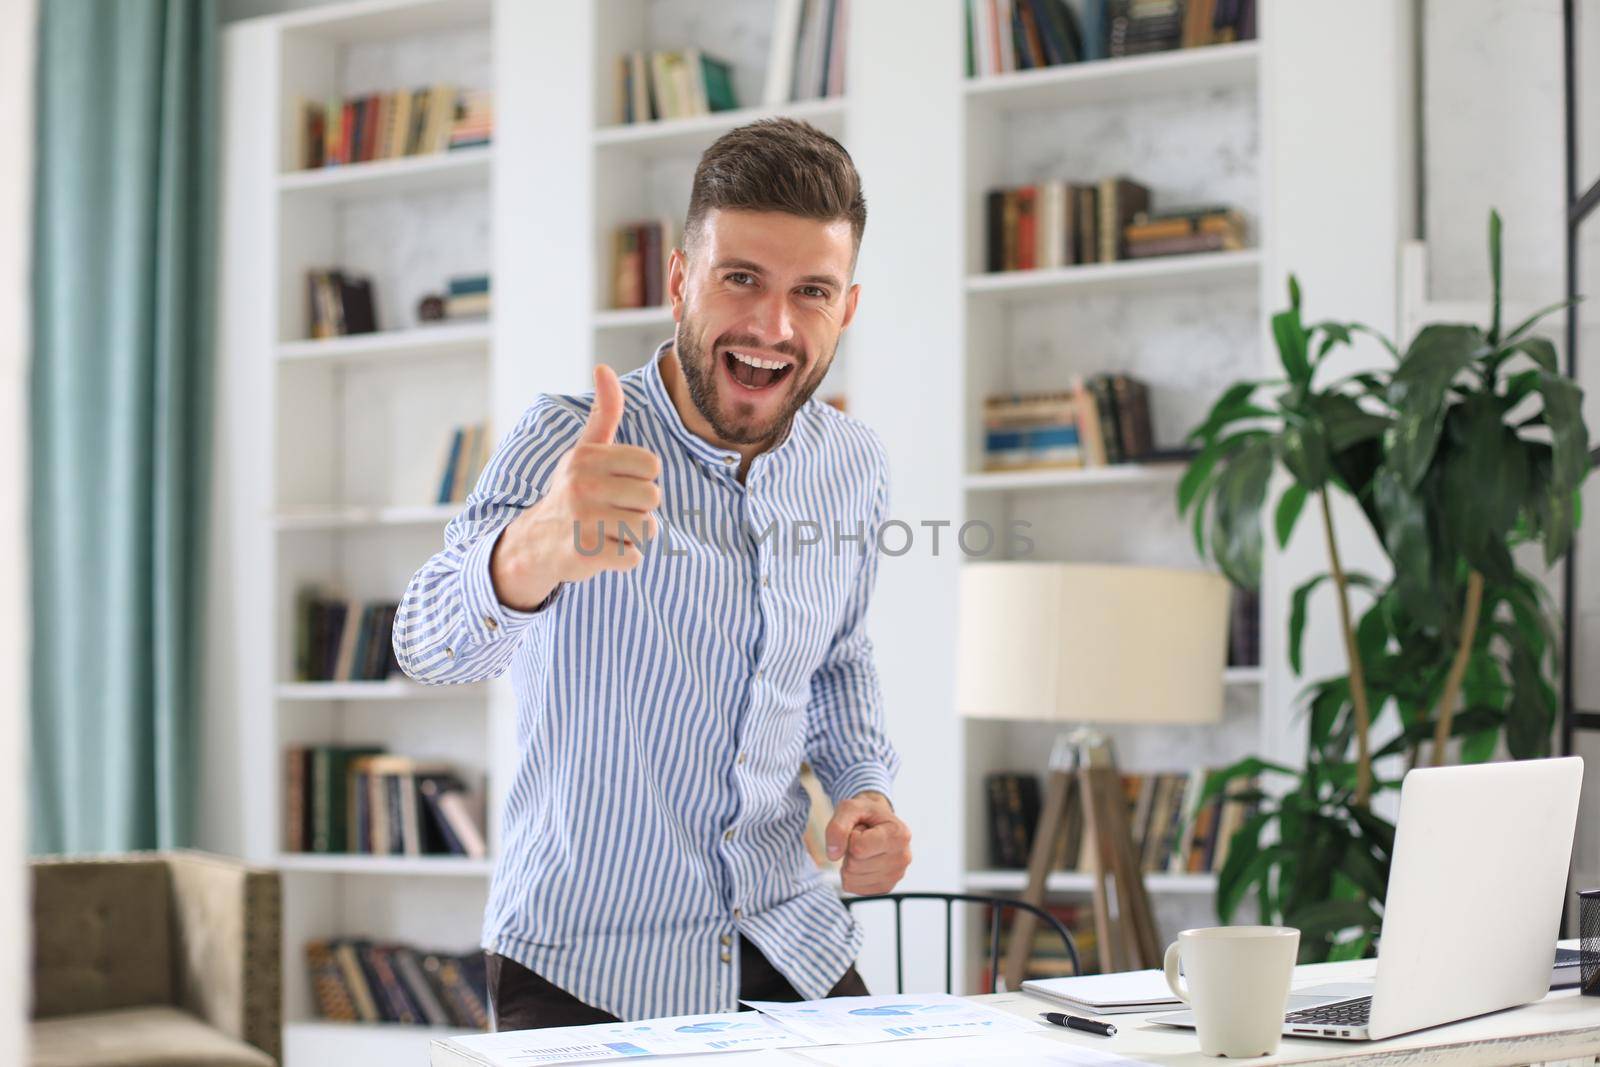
(124, 221)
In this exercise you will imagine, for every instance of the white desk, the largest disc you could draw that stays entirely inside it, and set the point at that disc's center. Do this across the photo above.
(1563, 1026)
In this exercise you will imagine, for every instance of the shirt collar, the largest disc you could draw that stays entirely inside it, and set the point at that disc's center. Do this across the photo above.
(698, 446)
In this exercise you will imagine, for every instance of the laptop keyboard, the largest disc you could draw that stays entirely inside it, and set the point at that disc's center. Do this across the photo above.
(1345, 1013)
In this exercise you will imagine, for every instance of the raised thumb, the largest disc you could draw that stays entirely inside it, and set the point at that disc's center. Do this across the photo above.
(601, 429)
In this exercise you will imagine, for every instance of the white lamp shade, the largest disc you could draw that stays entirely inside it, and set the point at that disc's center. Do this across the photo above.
(1068, 642)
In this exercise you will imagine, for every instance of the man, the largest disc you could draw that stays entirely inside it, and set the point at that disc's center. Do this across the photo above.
(676, 570)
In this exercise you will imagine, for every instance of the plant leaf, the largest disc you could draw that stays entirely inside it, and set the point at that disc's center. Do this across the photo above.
(1418, 393)
(1288, 513)
(1297, 618)
(1200, 468)
(1569, 437)
(1494, 273)
(1236, 533)
(1538, 349)
(1290, 335)
(1330, 916)
(1527, 324)
(1246, 863)
(1233, 404)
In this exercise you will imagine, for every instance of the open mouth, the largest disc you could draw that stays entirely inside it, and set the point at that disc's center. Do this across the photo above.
(755, 372)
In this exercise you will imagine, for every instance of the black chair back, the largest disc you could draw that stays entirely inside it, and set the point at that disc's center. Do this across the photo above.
(997, 907)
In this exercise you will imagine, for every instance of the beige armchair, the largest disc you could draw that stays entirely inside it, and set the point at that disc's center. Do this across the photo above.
(155, 958)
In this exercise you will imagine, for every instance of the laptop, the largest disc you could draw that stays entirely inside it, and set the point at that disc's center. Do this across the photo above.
(1476, 884)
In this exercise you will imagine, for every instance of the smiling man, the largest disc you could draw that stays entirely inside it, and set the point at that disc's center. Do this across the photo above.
(676, 570)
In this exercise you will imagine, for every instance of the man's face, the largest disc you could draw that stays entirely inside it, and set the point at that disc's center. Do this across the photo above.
(760, 308)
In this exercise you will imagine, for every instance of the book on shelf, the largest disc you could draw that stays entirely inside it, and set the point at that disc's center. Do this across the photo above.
(1009, 35)
(806, 60)
(358, 799)
(1099, 421)
(1003, 36)
(672, 85)
(1172, 832)
(474, 121)
(465, 455)
(338, 304)
(405, 122)
(1057, 223)
(467, 297)
(1244, 628)
(356, 980)
(1047, 957)
(1185, 231)
(338, 639)
(1139, 27)
(641, 251)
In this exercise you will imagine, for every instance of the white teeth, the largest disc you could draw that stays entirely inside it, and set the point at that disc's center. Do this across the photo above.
(752, 361)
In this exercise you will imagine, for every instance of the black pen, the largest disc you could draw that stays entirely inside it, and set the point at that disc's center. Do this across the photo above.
(1072, 1022)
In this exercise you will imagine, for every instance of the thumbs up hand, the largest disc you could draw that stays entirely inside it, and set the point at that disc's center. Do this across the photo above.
(594, 517)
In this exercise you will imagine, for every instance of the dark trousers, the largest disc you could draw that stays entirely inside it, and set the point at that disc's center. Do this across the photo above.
(521, 1000)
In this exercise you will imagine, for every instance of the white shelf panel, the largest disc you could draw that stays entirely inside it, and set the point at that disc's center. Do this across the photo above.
(633, 318)
(1080, 882)
(370, 20)
(360, 1044)
(390, 689)
(365, 518)
(1074, 477)
(336, 863)
(411, 174)
(1106, 80)
(1244, 676)
(443, 340)
(1128, 274)
(667, 136)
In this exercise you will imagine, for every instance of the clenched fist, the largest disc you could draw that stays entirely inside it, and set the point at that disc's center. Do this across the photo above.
(593, 518)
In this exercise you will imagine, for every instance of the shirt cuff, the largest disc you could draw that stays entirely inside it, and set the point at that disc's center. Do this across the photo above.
(484, 616)
(860, 778)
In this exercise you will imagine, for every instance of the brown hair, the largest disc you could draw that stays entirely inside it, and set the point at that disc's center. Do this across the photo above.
(777, 164)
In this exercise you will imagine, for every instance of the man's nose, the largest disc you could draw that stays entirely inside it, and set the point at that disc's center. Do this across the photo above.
(770, 320)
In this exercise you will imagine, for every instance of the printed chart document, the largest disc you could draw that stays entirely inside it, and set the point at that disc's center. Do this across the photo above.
(857, 1020)
(683, 1034)
(1006, 1050)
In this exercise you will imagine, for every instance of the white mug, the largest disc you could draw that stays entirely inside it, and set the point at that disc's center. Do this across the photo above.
(1238, 985)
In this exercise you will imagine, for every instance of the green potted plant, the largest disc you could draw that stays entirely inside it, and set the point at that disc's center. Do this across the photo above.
(1469, 446)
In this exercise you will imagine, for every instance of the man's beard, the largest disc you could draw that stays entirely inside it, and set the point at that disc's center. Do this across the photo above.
(700, 373)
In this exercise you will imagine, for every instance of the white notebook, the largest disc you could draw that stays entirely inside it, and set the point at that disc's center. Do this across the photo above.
(1107, 994)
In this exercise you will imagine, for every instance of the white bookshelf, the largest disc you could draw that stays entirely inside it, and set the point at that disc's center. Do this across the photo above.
(933, 335)
(345, 439)
(1185, 124)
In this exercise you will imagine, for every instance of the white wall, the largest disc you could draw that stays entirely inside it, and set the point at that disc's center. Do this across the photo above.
(16, 161)
(1494, 136)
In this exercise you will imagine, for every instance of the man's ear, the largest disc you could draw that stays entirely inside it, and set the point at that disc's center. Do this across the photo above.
(850, 299)
(677, 279)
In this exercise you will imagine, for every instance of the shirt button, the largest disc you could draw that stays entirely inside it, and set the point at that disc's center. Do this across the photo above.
(759, 673)
(727, 957)
(738, 913)
(728, 836)
(765, 581)
(730, 460)
(490, 623)
(727, 939)
(740, 759)
(449, 653)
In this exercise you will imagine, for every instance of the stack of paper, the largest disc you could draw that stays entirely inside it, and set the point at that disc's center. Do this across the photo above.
(737, 1037)
(1107, 994)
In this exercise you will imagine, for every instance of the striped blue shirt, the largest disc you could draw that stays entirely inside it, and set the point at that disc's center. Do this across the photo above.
(656, 815)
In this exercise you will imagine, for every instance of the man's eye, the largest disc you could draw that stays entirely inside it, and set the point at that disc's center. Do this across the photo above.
(812, 290)
(740, 278)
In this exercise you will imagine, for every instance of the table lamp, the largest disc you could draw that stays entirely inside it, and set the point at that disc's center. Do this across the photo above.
(1090, 645)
